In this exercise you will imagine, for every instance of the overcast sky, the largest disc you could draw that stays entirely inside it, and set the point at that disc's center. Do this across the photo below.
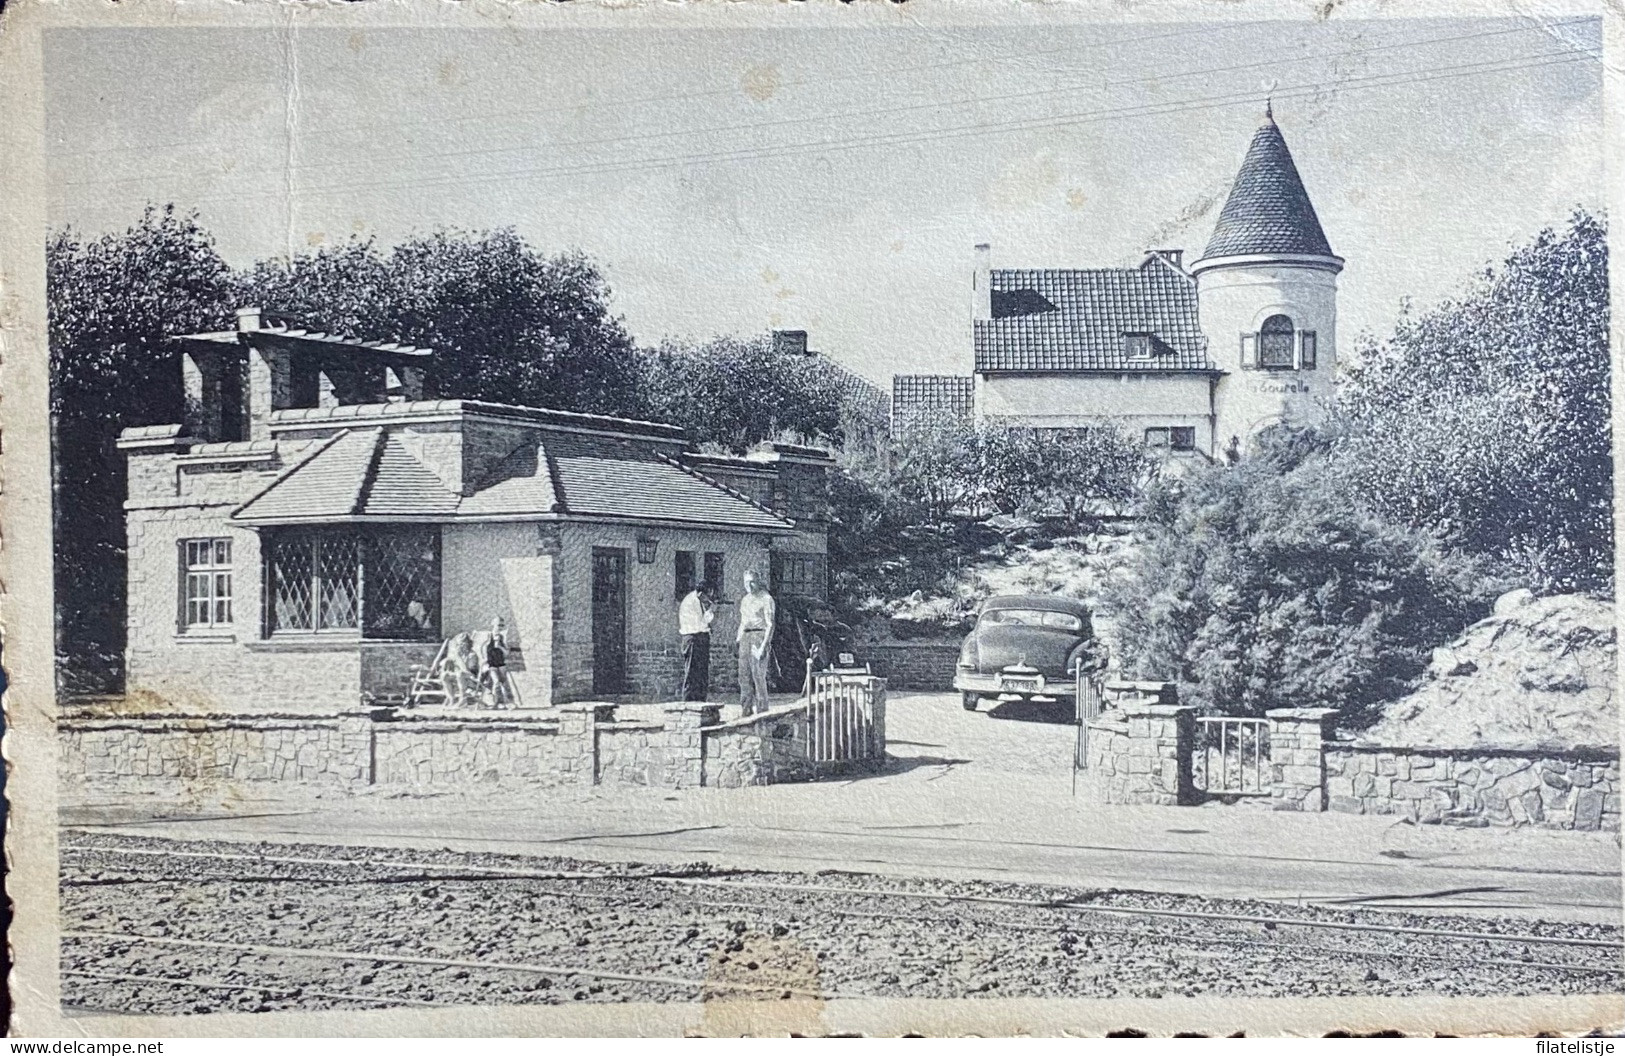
(835, 180)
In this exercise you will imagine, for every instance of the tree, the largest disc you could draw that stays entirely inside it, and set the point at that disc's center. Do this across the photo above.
(507, 323)
(113, 300)
(736, 392)
(1261, 585)
(1486, 421)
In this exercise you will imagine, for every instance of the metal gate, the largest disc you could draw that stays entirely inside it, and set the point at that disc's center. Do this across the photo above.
(1090, 696)
(841, 715)
(1234, 755)
(1088, 704)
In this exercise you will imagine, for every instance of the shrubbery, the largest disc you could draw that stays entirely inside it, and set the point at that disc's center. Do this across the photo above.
(1487, 421)
(1470, 454)
(1262, 586)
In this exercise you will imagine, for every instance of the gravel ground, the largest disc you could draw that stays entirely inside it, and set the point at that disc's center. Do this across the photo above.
(254, 930)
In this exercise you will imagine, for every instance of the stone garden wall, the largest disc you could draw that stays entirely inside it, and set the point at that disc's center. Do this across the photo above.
(1573, 789)
(683, 745)
(1139, 752)
(174, 748)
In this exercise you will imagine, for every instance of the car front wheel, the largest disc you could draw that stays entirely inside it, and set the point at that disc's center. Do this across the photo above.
(969, 700)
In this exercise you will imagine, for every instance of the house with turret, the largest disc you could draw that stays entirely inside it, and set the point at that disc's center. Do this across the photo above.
(1197, 356)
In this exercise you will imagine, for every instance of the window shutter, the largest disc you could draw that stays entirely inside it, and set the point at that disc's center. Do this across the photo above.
(1306, 349)
(1249, 351)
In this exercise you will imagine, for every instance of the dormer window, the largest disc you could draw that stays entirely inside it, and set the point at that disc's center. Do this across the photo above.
(1137, 346)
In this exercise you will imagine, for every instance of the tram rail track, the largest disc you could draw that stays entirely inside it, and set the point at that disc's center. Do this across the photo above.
(693, 928)
(477, 873)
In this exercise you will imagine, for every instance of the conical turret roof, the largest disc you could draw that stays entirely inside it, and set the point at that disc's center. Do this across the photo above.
(1268, 210)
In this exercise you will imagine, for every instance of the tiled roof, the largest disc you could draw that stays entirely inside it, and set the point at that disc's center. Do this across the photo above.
(932, 395)
(1064, 320)
(857, 387)
(329, 483)
(631, 480)
(1268, 210)
(402, 485)
(373, 474)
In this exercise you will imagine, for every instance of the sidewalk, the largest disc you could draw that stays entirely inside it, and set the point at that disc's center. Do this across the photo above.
(971, 796)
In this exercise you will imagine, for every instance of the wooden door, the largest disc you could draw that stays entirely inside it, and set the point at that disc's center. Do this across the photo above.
(608, 621)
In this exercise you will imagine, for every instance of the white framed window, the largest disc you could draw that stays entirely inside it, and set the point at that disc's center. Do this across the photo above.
(1137, 346)
(206, 587)
(1249, 351)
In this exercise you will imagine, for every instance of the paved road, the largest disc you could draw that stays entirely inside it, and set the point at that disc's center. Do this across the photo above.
(983, 795)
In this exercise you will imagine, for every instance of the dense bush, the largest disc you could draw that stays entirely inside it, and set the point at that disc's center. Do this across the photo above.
(1486, 421)
(1261, 585)
(945, 467)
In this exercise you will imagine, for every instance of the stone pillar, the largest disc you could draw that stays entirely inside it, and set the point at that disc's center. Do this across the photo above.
(578, 734)
(1298, 757)
(200, 381)
(270, 388)
(684, 750)
(411, 382)
(358, 741)
(1161, 738)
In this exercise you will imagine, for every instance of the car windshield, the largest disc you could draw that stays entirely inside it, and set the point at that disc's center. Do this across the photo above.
(1059, 621)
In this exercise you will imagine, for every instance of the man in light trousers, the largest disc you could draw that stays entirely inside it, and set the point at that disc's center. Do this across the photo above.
(755, 638)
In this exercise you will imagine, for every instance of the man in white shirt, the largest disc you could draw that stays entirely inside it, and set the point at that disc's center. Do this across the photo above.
(755, 637)
(694, 616)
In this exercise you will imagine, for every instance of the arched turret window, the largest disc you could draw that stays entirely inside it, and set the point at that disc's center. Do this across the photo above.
(1275, 342)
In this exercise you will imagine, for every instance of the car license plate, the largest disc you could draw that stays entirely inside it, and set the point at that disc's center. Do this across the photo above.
(1019, 685)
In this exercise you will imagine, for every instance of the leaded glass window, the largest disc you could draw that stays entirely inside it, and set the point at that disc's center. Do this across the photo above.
(384, 582)
(401, 583)
(338, 582)
(1275, 342)
(292, 582)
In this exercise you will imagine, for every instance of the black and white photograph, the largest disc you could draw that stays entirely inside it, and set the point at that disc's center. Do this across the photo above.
(810, 518)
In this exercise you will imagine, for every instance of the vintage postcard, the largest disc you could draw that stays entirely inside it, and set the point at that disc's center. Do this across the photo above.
(810, 518)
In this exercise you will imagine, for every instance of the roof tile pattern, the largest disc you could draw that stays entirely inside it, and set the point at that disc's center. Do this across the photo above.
(1094, 308)
(373, 474)
(401, 484)
(329, 484)
(624, 479)
(917, 396)
(1268, 210)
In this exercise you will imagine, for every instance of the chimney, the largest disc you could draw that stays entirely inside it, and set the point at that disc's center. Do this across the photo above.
(248, 320)
(790, 342)
(982, 284)
(1176, 257)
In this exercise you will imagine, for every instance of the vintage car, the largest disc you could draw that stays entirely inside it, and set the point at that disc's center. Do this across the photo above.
(1024, 645)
